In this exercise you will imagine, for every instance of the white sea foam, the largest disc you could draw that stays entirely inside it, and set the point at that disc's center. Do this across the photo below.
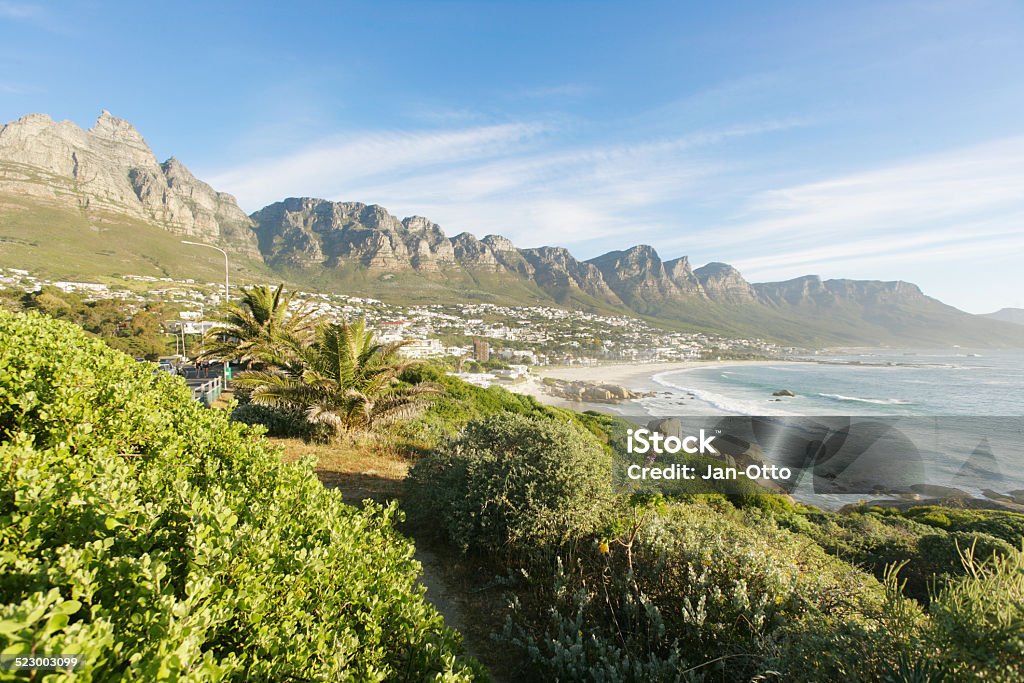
(726, 404)
(876, 401)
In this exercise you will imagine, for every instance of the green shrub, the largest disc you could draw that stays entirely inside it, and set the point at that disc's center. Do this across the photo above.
(719, 595)
(278, 422)
(1008, 526)
(512, 481)
(459, 404)
(977, 623)
(158, 540)
(877, 539)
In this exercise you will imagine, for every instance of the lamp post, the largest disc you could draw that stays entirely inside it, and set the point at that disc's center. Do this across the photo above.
(210, 246)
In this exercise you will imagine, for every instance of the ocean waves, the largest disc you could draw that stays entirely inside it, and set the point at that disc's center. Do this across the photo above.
(875, 401)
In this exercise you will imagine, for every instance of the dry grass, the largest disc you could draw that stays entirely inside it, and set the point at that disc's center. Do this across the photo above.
(361, 468)
(369, 468)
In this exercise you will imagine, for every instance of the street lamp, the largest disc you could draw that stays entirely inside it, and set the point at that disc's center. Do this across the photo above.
(210, 246)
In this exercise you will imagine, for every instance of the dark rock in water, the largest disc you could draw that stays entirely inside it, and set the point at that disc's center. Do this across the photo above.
(731, 445)
(669, 426)
(936, 491)
(783, 392)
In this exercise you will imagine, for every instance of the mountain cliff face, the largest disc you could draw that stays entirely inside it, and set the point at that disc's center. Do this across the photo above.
(110, 170)
(640, 279)
(811, 291)
(317, 236)
(724, 284)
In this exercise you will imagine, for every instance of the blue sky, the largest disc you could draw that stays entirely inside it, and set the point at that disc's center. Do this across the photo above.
(865, 140)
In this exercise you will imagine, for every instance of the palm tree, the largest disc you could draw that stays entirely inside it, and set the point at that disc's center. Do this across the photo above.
(261, 330)
(344, 380)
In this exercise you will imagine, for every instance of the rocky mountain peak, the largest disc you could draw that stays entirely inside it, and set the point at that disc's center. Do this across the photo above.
(419, 225)
(638, 276)
(110, 171)
(721, 282)
(682, 275)
(109, 126)
(499, 244)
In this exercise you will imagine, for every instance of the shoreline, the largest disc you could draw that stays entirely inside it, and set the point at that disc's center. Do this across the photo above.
(637, 377)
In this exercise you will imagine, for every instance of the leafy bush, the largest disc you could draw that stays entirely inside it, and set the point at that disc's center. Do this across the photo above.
(725, 596)
(158, 540)
(1008, 526)
(278, 422)
(977, 624)
(513, 480)
(458, 405)
(877, 539)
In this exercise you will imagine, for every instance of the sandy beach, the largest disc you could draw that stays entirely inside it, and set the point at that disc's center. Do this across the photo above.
(633, 376)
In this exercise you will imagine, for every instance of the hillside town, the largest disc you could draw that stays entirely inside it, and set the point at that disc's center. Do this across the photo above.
(505, 340)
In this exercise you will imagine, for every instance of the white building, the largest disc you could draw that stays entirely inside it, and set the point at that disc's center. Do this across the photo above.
(423, 348)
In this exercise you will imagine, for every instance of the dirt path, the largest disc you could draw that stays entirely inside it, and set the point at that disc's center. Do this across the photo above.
(439, 593)
(470, 603)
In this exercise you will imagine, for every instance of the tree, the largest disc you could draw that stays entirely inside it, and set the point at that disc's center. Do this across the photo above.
(345, 380)
(261, 330)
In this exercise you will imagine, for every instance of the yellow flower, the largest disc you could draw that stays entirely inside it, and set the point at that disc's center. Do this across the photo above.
(603, 548)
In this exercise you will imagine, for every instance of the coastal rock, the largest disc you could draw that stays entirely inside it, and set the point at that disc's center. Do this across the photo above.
(936, 491)
(783, 392)
(668, 426)
(591, 392)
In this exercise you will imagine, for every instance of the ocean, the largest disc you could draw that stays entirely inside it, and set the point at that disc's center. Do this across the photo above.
(900, 383)
(959, 415)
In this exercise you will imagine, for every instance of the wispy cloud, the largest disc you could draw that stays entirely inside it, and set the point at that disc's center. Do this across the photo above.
(999, 237)
(518, 179)
(19, 10)
(964, 202)
(32, 13)
(939, 187)
(334, 166)
(523, 181)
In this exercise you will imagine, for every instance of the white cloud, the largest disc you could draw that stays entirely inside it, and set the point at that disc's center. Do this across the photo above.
(334, 165)
(517, 179)
(923, 194)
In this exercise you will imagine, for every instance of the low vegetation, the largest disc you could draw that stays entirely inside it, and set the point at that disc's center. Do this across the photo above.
(138, 331)
(159, 541)
(637, 587)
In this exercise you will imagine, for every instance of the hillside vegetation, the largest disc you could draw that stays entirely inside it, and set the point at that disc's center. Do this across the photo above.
(159, 541)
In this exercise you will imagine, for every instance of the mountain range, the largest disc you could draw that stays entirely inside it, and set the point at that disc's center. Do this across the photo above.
(97, 202)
